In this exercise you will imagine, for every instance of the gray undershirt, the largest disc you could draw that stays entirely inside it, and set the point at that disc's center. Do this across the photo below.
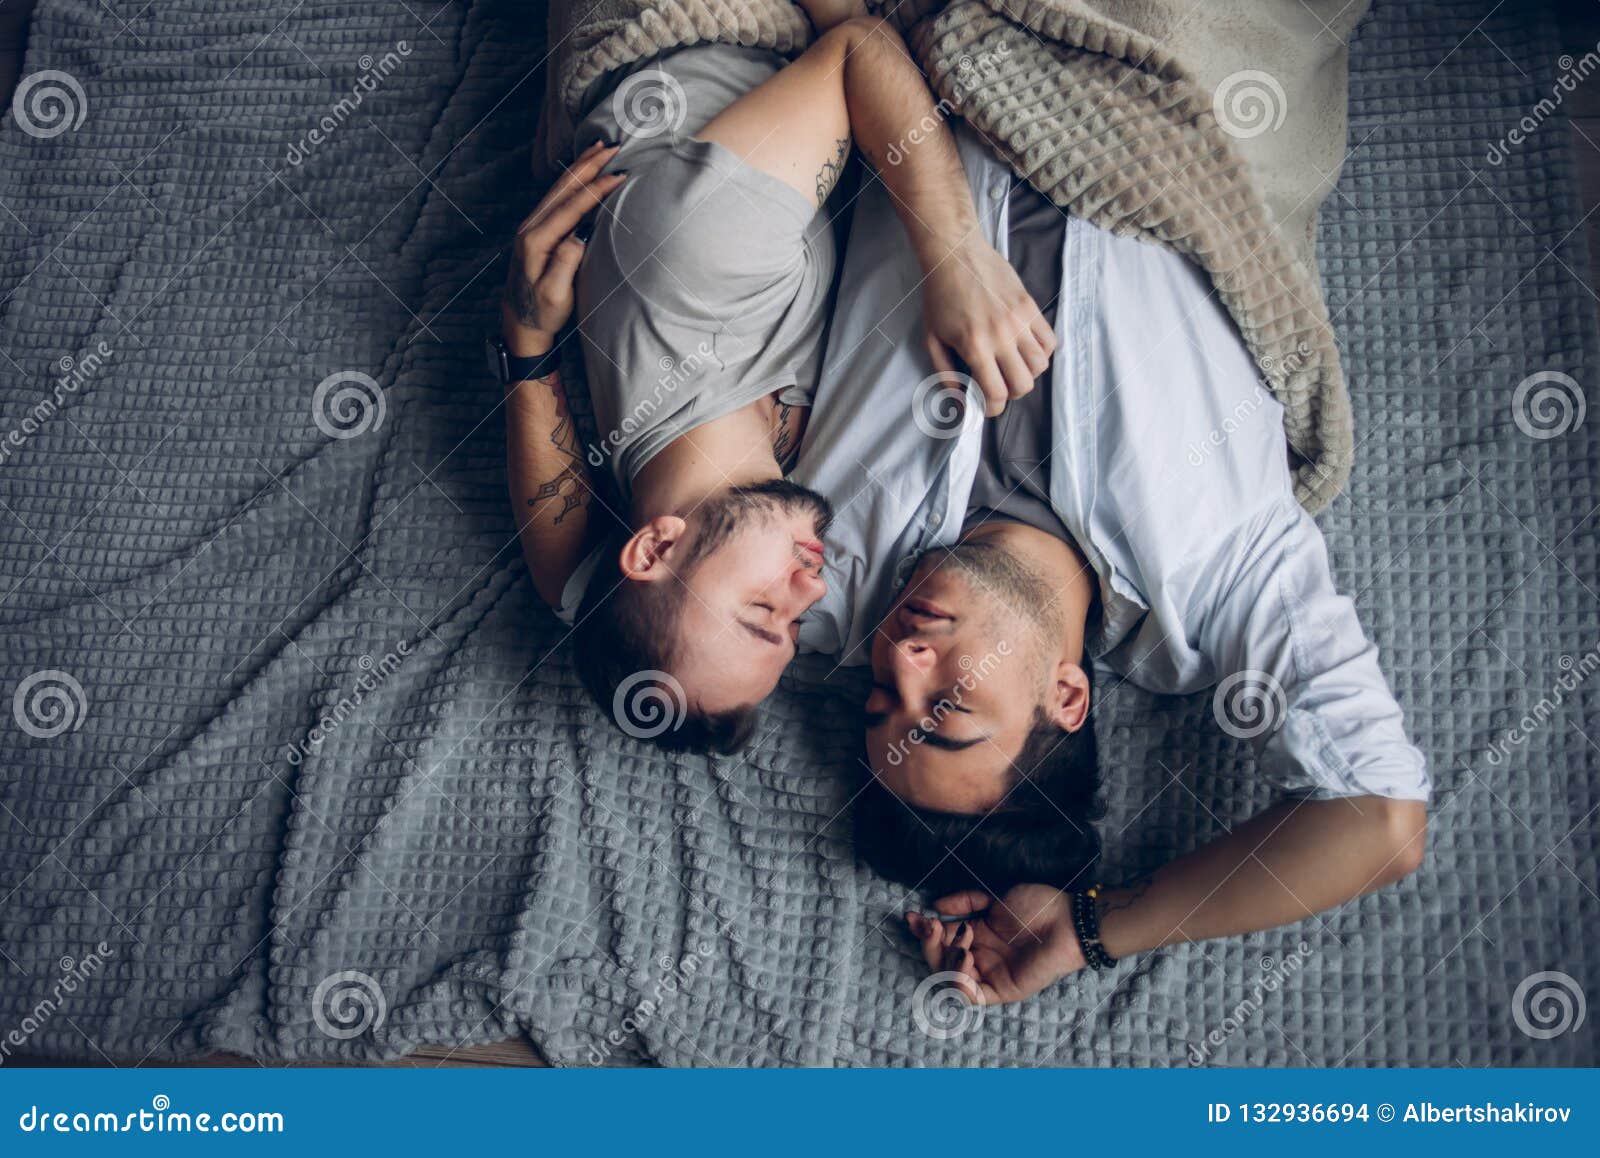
(1013, 480)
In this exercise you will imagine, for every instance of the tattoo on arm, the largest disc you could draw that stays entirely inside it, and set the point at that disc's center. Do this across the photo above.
(831, 169)
(785, 447)
(1135, 890)
(520, 294)
(571, 484)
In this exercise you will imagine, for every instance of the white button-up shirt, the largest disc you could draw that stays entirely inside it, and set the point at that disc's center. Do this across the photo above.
(1169, 469)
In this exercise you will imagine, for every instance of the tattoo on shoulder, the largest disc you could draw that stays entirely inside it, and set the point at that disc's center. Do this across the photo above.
(831, 169)
(571, 484)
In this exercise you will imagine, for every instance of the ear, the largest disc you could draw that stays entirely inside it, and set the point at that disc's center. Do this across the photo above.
(1067, 702)
(645, 557)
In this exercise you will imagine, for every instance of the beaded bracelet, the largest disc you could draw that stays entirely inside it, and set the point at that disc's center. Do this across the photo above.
(1086, 923)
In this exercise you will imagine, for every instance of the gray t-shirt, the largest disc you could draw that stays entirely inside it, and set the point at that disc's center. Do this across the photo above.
(706, 282)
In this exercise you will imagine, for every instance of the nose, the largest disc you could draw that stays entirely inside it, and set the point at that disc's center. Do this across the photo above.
(912, 659)
(808, 585)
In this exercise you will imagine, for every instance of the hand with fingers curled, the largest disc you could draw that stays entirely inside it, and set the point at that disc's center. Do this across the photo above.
(1008, 947)
(975, 310)
(549, 246)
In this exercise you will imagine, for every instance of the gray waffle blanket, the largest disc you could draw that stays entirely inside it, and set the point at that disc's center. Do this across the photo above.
(293, 764)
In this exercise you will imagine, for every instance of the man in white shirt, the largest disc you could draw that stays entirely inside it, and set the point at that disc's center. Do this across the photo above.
(1136, 507)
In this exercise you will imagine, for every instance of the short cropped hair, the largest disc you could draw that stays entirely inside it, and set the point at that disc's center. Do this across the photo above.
(1041, 833)
(624, 629)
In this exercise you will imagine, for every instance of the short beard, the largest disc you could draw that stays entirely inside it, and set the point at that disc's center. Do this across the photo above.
(998, 574)
(722, 514)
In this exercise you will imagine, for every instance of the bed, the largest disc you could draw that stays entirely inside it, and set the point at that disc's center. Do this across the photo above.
(296, 767)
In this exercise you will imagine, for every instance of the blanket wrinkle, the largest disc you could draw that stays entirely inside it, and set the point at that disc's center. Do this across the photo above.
(1110, 108)
(801, 955)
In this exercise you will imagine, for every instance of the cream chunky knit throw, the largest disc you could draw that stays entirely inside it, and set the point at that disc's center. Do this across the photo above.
(1214, 128)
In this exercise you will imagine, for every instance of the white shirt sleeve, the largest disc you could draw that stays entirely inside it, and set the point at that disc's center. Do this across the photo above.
(1296, 674)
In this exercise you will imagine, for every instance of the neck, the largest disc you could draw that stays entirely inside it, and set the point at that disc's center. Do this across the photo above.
(1060, 564)
(734, 450)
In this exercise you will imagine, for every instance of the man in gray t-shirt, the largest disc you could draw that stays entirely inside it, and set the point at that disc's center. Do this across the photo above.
(701, 296)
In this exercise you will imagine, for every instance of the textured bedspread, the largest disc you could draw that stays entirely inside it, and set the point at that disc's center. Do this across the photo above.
(293, 764)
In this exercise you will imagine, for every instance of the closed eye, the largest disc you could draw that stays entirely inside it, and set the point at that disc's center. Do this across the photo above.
(764, 635)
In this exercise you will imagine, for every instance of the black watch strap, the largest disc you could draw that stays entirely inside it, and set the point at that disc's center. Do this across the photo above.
(509, 368)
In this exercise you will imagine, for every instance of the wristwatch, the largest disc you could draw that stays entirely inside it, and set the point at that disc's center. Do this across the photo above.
(506, 367)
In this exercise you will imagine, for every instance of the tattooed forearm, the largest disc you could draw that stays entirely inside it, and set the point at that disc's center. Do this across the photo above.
(571, 484)
(1123, 898)
(831, 169)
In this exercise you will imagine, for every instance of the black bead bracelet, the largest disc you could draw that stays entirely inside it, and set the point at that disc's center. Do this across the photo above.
(1086, 923)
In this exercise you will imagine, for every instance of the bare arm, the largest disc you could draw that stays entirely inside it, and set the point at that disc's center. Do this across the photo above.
(546, 473)
(1293, 860)
(858, 82)
(824, 14)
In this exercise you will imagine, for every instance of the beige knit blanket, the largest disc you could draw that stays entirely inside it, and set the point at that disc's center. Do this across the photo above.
(1213, 127)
